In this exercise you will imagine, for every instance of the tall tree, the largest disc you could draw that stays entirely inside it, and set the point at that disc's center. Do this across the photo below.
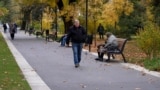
(69, 11)
(130, 24)
(114, 9)
(26, 7)
(4, 10)
(155, 10)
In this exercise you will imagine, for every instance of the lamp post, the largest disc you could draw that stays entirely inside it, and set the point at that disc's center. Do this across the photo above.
(88, 36)
(41, 19)
(87, 16)
(56, 21)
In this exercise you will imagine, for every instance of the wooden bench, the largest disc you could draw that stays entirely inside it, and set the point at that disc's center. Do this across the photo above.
(30, 31)
(118, 50)
(50, 36)
(39, 33)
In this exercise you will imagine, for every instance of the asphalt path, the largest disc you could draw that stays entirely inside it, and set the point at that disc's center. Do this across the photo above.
(54, 65)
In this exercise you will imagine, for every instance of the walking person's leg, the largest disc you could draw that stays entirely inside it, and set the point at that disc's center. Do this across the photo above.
(75, 54)
(79, 52)
(12, 36)
(4, 30)
(99, 36)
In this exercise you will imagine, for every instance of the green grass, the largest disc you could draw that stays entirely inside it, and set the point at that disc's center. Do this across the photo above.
(153, 64)
(11, 77)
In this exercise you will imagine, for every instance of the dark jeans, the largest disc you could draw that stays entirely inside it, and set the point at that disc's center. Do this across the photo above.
(77, 49)
(12, 36)
(101, 35)
(5, 30)
(63, 41)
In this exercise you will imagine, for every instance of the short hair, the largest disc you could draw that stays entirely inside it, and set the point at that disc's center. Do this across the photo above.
(76, 21)
(108, 34)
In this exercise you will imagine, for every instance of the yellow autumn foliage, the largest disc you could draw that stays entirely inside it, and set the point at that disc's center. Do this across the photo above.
(25, 2)
(149, 41)
(3, 11)
(114, 9)
(47, 19)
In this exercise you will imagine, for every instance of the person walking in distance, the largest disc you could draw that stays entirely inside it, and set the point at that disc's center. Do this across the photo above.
(77, 34)
(100, 30)
(5, 27)
(12, 30)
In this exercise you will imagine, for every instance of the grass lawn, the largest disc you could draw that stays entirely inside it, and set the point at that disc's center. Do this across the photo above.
(11, 77)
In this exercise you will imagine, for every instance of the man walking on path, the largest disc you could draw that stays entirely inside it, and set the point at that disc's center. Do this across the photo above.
(77, 35)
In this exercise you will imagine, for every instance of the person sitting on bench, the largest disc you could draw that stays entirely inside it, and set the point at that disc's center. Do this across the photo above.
(110, 44)
(63, 40)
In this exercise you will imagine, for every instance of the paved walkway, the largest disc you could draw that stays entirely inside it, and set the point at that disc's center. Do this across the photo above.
(47, 66)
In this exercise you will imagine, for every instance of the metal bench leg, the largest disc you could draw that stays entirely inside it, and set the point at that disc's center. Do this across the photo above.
(108, 54)
(123, 58)
(113, 56)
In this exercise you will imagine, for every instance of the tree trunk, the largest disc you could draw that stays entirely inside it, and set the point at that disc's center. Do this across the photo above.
(67, 25)
(26, 19)
(23, 25)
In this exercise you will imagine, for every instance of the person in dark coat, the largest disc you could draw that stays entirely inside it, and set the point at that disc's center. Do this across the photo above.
(100, 30)
(77, 34)
(12, 30)
(5, 27)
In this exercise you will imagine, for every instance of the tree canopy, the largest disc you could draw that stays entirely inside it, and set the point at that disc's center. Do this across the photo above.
(119, 16)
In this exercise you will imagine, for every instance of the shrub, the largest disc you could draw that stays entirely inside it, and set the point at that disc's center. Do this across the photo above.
(149, 41)
(153, 64)
(36, 25)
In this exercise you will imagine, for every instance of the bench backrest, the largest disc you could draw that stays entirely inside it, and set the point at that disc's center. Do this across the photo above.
(121, 44)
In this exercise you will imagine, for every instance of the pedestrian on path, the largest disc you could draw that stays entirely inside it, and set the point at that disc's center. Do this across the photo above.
(100, 30)
(5, 27)
(77, 34)
(12, 30)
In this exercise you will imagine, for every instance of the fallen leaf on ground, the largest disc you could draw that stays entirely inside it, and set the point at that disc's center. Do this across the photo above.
(83, 86)
(107, 64)
(143, 74)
